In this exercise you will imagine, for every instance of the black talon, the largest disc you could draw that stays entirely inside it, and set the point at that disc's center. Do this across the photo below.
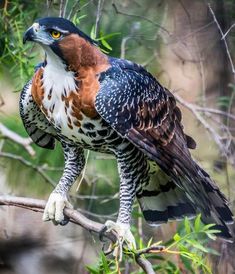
(102, 233)
(65, 221)
(107, 251)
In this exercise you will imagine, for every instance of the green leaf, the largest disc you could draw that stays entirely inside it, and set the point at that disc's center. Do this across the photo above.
(141, 246)
(92, 270)
(211, 236)
(108, 36)
(177, 237)
(92, 33)
(207, 227)
(213, 231)
(197, 223)
(187, 263)
(105, 263)
(197, 245)
(105, 44)
(150, 242)
(187, 225)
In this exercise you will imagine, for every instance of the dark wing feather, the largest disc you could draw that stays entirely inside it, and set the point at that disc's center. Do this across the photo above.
(141, 110)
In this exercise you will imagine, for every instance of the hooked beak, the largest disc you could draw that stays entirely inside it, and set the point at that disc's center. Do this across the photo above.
(31, 33)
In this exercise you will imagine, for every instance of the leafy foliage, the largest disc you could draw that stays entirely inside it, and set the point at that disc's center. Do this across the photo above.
(184, 252)
(14, 56)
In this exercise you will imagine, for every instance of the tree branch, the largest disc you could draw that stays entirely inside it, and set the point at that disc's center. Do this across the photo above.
(63, 4)
(98, 16)
(223, 37)
(39, 205)
(140, 17)
(219, 140)
(145, 265)
(75, 217)
(29, 164)
(11, 135)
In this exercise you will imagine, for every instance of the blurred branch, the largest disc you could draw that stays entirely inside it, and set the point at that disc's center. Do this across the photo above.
(201, 67)
(28, 164)
(215, 111)
(145, 265)
(11, 135)
(140, 17)
(75, 8)
(216, 137)
(223, 36)
(49, 3)
(227, 32)
(39, 205)
(63, 4)
(75, 217)
(98, 16)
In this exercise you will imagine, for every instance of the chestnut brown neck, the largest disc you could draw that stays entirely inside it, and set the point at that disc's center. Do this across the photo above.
(79, 53)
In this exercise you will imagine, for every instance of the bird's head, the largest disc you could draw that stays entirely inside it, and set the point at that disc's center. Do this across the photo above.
(59, 36)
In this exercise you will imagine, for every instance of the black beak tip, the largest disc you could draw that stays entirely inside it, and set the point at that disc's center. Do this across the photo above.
(28, 35)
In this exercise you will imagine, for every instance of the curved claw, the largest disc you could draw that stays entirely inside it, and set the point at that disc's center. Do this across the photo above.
(54, 209)
(123, 234)
(102, 232)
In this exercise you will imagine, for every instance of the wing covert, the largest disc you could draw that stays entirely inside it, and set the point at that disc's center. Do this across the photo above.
(139, 108)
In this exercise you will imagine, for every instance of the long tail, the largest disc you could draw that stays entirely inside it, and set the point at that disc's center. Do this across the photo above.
(165, 198)
(209, 200)
(187, 190)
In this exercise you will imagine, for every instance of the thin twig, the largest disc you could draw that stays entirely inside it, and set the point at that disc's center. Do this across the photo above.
(123, 46)
(206, 125)
(223, 38)
(150, 249)
(82, 175)
(226, 33)
(28, 164)
(140, 17)
(11, 135)
(98, 16)
(215, 111)
(201, 68)
(62, 8)
(75, 8)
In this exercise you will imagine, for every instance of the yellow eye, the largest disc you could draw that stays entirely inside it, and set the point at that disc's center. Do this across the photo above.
(55, 34)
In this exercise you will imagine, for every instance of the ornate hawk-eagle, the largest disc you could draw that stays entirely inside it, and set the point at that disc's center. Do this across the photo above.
(85, 99)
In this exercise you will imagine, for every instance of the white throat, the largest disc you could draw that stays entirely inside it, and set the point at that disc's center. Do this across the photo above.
(56, 79)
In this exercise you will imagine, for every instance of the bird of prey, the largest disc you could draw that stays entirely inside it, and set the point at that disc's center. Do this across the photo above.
(86, 99)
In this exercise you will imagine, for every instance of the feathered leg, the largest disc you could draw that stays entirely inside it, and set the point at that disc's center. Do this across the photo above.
(74, 164)
(130, 162)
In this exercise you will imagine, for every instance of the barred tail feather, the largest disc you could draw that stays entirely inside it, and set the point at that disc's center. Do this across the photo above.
(217, 210)
(162, 200)
(191, 193)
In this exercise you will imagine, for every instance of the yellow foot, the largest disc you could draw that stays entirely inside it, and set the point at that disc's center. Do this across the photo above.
(54, 209)
(123, 235)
